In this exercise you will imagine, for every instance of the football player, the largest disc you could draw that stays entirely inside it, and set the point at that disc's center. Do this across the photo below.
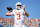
(18, 15)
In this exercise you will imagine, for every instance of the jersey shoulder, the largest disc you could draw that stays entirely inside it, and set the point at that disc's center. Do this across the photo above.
(22, 10)
(14, 10)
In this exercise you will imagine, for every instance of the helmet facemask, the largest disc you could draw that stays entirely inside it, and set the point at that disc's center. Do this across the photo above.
(18, 6)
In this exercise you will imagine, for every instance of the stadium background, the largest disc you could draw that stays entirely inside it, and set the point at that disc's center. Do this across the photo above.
(32, 7)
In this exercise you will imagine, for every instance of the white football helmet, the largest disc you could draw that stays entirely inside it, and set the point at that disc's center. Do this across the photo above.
(18, 3)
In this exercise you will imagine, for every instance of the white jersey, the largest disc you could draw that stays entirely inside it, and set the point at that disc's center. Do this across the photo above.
(18, 17)
(18, 14)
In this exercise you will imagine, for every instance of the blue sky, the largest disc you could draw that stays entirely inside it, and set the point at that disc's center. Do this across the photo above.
(32, 7)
